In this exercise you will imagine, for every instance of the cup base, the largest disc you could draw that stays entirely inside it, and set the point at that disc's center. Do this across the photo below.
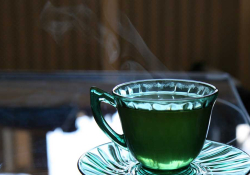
(192, 169)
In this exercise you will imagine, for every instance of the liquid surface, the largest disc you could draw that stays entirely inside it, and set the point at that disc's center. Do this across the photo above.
(164, 95)
(165, 139)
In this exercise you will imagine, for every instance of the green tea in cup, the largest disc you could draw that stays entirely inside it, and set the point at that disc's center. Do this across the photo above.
(165, 122)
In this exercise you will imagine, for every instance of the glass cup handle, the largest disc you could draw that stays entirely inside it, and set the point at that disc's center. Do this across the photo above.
(96, 97)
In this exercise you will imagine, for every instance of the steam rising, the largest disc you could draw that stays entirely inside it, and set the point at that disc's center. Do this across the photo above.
(112, 47)
(59, 20)
(128, 32)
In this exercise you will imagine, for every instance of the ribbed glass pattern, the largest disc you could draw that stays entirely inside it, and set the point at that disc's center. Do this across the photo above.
(215, 158)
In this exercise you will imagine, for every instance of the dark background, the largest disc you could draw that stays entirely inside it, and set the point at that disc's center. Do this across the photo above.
(184, 35)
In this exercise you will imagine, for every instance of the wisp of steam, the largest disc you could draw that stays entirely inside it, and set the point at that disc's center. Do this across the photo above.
(59, 20)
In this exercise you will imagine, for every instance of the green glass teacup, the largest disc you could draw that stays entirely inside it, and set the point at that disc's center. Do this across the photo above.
(164, 121)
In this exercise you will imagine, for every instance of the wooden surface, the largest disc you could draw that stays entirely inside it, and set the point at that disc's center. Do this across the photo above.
(179, 34)
(244, 48)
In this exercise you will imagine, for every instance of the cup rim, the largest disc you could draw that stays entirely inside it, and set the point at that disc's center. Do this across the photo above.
(170, 100)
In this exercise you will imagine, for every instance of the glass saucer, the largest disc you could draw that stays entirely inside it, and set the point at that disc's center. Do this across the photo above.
(215, 158)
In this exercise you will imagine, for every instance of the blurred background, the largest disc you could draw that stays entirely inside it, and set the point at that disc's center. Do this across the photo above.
(206, 36)
(186, 35)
